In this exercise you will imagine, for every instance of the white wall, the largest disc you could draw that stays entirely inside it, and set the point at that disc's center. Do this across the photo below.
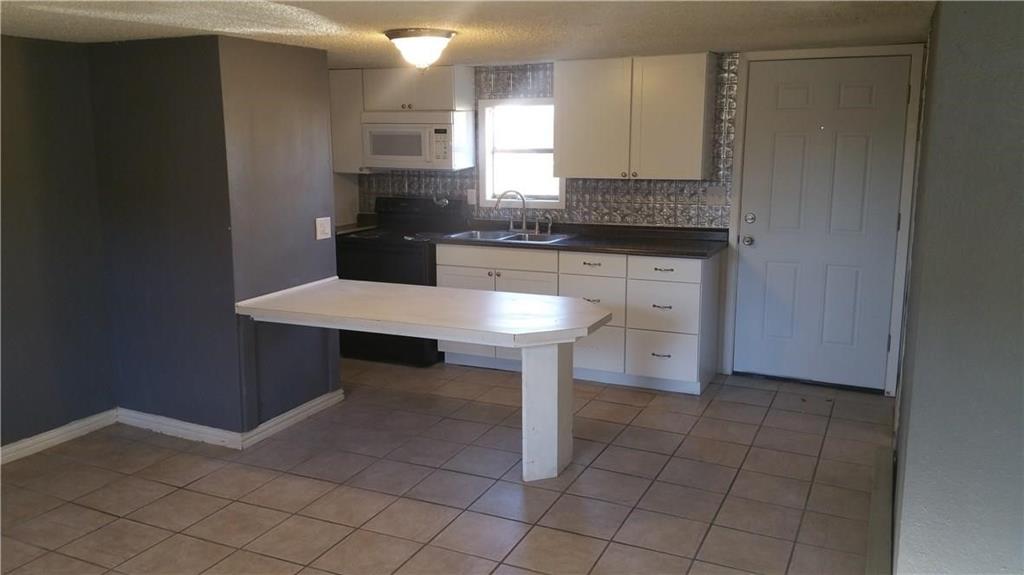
(960, 474)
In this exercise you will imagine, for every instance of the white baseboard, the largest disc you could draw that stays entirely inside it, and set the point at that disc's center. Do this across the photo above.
(178, 428)
(47, 439)
(290, 418)
(168, 426)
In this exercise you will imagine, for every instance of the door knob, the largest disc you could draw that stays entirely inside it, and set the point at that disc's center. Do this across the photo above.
(748, 240)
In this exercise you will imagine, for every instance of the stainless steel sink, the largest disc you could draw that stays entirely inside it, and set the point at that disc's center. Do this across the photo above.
(510, 237)
(488, 235)
(536, 238)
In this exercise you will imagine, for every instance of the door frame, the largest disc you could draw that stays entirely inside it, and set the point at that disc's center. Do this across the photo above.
(908, 187)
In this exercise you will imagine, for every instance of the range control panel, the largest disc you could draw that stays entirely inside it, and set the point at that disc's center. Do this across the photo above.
(442, 144)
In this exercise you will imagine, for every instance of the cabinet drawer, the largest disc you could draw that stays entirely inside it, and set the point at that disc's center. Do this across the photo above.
(609, 293)
(498, 258)
(664, 355)
(603, 350)
(609, 265)
(663, 306)
(664, 269)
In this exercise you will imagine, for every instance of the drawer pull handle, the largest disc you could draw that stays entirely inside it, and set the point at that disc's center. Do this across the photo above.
(592, 264)
(657, 269)
(656, 306)
(661, 355)
(593, 300)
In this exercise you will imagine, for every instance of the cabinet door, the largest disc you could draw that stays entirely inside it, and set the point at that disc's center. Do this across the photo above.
(389, 88)
(516, 281)
(603, 350)
(673, 105)
(592, 118)
(467, 278)
(346, 120)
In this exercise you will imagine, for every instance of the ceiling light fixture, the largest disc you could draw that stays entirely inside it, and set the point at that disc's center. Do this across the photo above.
(420, 47)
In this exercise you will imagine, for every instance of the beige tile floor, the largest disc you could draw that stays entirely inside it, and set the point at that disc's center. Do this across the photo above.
(417, 471)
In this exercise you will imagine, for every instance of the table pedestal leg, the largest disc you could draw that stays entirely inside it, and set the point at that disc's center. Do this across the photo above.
(547, 410)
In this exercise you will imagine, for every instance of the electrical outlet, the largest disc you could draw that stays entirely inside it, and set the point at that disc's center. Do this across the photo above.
(471, 197)
(323, 228)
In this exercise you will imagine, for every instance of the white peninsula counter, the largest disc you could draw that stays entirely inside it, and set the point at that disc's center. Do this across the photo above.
(544, 327)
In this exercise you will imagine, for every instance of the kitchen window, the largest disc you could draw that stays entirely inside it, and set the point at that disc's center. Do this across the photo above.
(517, 152)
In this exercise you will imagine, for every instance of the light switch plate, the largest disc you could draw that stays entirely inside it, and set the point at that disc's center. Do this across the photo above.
(323, 228)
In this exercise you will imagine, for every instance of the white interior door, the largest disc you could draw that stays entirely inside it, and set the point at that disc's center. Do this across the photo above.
(823, 154)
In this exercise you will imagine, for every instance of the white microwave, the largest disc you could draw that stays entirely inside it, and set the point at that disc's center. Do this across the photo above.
(418, 140)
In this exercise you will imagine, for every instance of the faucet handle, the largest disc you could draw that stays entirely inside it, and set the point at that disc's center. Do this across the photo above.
(549, 220)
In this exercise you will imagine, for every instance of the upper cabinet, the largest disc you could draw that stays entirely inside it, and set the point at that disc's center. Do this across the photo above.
(346, 120)
(592, 118)
(436, 88)
(645, 117)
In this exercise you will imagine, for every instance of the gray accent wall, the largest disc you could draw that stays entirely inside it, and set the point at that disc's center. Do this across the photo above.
(166, 218)
(959, 504)
(56, 354)
(278, 141)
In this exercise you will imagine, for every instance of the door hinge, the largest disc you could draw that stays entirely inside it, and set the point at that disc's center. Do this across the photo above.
(888, 344)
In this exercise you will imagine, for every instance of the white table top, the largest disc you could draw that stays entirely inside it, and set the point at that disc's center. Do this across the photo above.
(490, 318)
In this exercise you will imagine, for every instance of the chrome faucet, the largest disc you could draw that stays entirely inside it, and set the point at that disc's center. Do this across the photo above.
(522, 198)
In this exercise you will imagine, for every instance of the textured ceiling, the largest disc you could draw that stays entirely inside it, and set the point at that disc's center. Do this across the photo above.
(488, 32)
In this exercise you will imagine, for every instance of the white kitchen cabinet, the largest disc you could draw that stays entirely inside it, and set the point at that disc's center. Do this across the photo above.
(661, 355)
(466, 278)
(517, 281)
(672, 117)
(495, 269)
(644, 117)
(609, 293)
(435, 88)
(663, 306)
(664, 328)
(601, 350)
(346, 88)
(592, 99)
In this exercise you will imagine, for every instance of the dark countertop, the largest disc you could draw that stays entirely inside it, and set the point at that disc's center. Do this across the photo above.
(699, 243)
(642, 246)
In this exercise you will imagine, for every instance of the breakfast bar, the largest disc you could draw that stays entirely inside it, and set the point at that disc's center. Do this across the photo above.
(544, 327)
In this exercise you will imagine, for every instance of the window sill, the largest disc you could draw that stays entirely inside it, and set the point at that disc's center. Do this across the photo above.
(530, 204)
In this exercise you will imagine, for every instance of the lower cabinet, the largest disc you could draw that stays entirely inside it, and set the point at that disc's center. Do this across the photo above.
(664, 327)
(601, 350)
(662, 355)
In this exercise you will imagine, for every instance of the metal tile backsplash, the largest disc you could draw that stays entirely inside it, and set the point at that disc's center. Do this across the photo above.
(676, 203)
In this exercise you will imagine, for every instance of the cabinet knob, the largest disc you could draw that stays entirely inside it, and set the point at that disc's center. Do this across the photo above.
(634, 174)
(624, 174)
(410, 106)
(748, 240)
(497, 274)
(490, 274)
(403, 106)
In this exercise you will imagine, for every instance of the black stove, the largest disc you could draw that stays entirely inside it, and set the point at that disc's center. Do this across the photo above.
(399, 250)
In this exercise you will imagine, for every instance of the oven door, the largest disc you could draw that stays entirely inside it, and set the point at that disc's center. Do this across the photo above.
(397, 146)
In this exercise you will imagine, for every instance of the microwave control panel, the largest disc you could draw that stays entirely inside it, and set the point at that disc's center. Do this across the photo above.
(442, 144)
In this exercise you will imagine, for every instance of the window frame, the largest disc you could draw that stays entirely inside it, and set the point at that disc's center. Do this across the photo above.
(483, 154)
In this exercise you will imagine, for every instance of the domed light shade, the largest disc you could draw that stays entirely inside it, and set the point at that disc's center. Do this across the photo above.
(420, 47)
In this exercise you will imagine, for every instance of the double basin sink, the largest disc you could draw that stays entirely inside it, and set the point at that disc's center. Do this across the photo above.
(509, 237)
